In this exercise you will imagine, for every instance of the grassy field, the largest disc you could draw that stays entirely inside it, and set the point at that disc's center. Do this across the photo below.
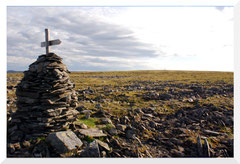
(121, 97)
(183, 105)
(123, 89)
(83, 79)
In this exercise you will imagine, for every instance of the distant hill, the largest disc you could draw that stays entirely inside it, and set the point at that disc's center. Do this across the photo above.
(13, 71)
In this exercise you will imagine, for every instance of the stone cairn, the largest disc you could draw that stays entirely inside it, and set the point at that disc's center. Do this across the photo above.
(46, 100)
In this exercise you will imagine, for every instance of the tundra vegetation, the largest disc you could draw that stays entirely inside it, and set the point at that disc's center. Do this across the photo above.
(152, 113)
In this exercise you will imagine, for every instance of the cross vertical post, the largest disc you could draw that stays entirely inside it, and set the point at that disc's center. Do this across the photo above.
(46, 40)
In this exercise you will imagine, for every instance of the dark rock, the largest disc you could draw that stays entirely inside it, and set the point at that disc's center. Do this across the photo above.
(121, 127)
(199, 147)
(101, 113)
(148, 110)
(113, 131)
(91, 151)
(80, 108)
(12, 129)
(44, 92)
(153, 124)
(130, 134)
(124, 120)
(40, 150)
(115, 143)
(98, 106)
(9, 87)
(165, 96)
(176, 153)
(206, 148)
(17, 136)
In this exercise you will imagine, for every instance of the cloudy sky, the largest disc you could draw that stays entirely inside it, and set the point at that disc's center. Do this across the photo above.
(124, 38)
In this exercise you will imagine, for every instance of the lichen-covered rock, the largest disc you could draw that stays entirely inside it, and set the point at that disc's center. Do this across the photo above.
(64, 141)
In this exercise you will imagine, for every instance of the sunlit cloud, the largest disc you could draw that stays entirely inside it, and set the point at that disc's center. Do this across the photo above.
(124, 38)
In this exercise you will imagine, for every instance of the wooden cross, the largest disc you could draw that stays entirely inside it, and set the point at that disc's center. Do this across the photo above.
(48, 43)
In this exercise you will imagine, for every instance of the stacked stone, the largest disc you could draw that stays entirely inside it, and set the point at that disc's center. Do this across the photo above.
(46, 100)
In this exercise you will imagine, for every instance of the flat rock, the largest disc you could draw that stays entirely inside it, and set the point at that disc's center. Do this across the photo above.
(86, 111)
(106, 121)
(92, 132)
(148, 115)
(103, 144)
(210, 132)
(81, 125)
(64, 141)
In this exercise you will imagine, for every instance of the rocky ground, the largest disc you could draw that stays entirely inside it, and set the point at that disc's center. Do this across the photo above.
(139, 114)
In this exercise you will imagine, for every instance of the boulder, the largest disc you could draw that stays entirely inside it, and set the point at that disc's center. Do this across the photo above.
(92, 150)
(64, 141)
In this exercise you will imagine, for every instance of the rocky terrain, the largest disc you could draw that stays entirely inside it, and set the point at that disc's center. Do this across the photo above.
(150, 114)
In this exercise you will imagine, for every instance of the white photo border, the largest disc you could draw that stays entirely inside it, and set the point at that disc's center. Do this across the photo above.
(161, 3)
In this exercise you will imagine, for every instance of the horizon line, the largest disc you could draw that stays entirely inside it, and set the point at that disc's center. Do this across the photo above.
(132, 70)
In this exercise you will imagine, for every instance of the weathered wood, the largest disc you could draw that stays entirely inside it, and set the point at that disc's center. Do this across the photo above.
(48, 43)
(51, 43)
(46, 40)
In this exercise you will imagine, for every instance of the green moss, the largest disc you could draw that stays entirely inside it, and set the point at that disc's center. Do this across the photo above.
(41, 138)
(88, 139)
(107, 127)
(91, 122)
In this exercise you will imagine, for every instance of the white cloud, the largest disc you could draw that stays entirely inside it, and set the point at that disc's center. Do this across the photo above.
(195, 38)
(18, 59)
